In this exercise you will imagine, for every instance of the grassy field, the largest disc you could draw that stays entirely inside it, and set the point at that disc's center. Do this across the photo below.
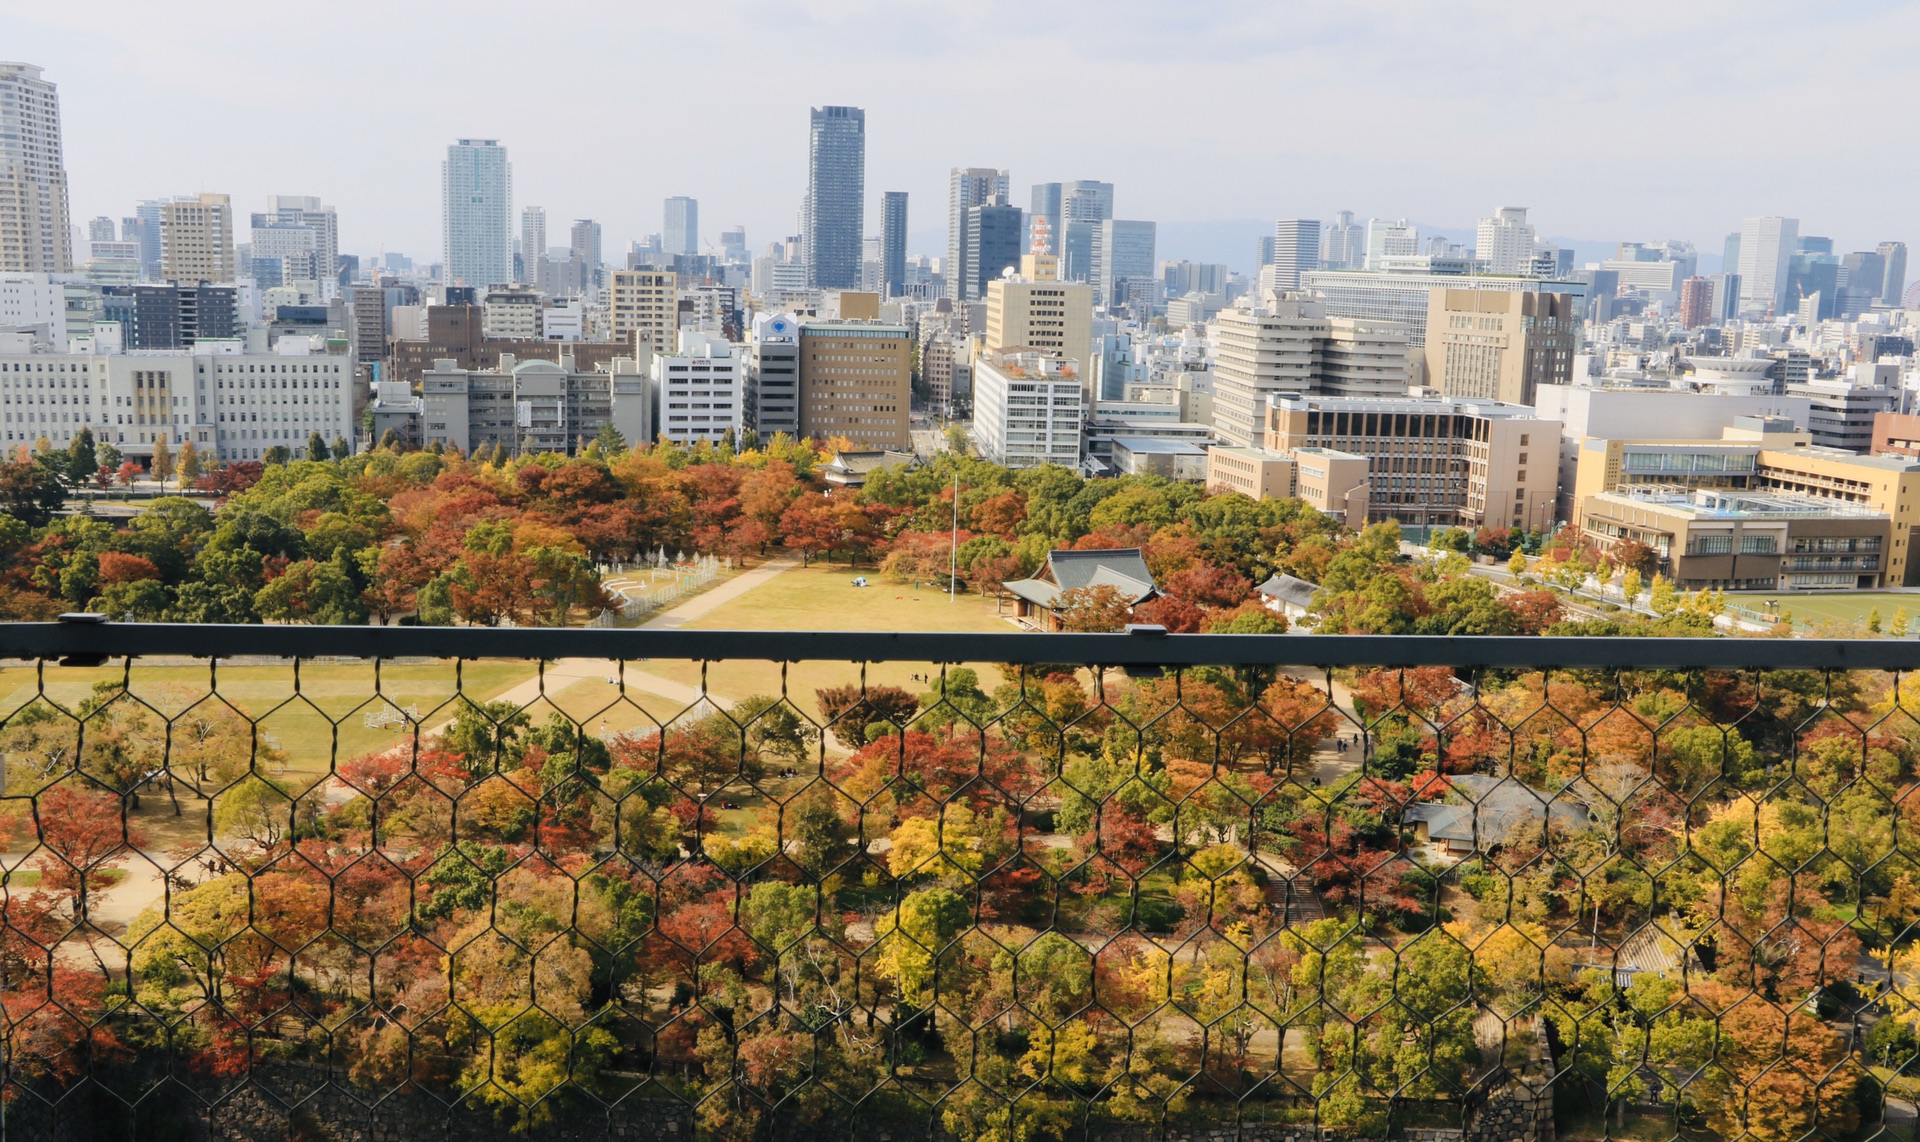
(821, 597)
(1849, 609)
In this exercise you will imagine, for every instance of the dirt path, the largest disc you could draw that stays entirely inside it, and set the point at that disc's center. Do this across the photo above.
(708, 601)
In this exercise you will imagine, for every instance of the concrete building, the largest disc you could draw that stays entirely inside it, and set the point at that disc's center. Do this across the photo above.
(1334, 482)
(1433, 461)
(196, 239)
(232, 404)
(699, 391)
(1735, 541)
(1405, 295)
(172, 316)
(1896, 434)
(643, 304)
(1052, 317)
(532, 406)
(533, 245)
(1387, 240)
(1344, 246)
(583, 243)
(893, 244)
(1290, 345)
(680, 232)
(1842, 409)
(1156, 456)
(37, 302)
(510, 314)
(944, 364)
(1504, 243)
(35, 233)
(1696, 303)
(1894, 285)
(476, 188)
(1028, 409)
(426, 335)
(296, 228)
(1296, 250)
(856, 382)
(773, 376)
(1766, 249)
(1500, 346)
(836, 196)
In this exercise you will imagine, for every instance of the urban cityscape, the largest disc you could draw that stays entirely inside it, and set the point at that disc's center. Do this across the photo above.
(888, 676)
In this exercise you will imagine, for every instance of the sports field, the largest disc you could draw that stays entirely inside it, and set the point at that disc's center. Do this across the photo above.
(1847, 608)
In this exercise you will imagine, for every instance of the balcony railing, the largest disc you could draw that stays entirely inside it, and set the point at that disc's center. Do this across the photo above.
(390, 882)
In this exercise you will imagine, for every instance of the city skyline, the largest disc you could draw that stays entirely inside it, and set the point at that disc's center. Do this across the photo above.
(120, 151)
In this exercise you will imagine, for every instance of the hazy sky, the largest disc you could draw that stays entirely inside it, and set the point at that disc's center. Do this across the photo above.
(1628, 119)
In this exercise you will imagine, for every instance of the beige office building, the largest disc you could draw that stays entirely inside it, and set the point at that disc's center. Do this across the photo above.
(1290, 345)
(856, 381)
(1502, 346)
(1050, 317)
(1331, 481)
(1741, 540)
(196, 239)
(1433, 461)
(1778, 462)
(646, 303)
(33, 175)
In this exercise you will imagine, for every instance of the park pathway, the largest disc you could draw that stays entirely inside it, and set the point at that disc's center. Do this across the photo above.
(708, 601)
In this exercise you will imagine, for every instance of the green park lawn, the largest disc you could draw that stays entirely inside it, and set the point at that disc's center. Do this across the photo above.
(1846, 609)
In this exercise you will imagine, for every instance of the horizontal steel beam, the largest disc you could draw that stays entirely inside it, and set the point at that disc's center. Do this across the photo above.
(88, 638)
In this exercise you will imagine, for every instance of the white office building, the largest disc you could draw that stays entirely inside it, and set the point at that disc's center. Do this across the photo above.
(1390, 239)
(233, 405)
(773, 376)
(699, 392)
(34, 302)
(532, 406)
(1766, 249)
(1028, 410)
(1296, 250)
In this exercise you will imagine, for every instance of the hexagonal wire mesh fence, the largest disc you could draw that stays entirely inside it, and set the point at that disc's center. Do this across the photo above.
(357, 883)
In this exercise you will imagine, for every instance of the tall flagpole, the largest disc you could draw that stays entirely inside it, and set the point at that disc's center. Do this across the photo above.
(953, 563)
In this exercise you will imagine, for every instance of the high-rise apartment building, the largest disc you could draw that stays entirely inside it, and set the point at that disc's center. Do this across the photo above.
(1290, 345)
(1086, 200)
(533, 243)
(836, 196)
(1894, 285)
(1696, 302)
(856, 381)
(968, 187)
(1500, 346)
(196, 239)
(893, 244)
(476, 184)
(34, 233)
(584, 243)
(646, 303)
(681, 231)
(1296, 250)
(1504, 244)
(1766, 250)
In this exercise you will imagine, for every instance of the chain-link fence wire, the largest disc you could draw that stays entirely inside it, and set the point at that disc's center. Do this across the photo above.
(986, 901)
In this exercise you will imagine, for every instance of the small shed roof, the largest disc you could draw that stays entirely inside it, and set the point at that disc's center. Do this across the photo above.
(1289, 589)
(1493, 809)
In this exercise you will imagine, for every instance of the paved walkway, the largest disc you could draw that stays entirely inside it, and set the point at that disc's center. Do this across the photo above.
(708, 601)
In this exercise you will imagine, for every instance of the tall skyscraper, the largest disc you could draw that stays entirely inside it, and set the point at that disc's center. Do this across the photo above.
(989, 245)
(1767, 246)
(144, 228)
(836, 196)
(533, 243)
(1345, 246)
(682, 228)
(1086, 200)
(584, 241)
(1045, 206)
(1122, 255)
(893, 243)
(968, 187)
(1296, 250)
(34, 233)
(1894, 285)
(1505, 242)
(1696, 302)
(100, 229)
(196, 239)
(476, 183)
